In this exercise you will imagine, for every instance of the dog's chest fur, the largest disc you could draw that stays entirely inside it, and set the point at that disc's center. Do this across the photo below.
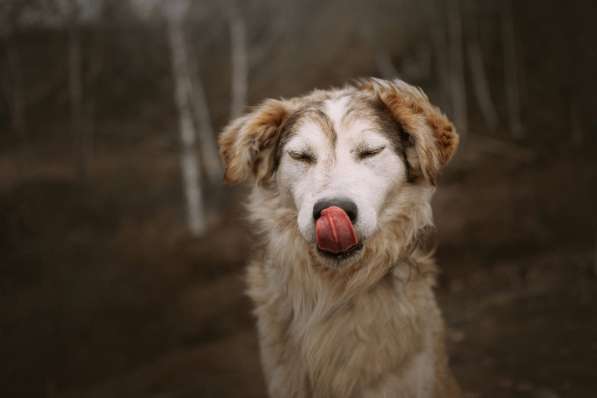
(318, 343)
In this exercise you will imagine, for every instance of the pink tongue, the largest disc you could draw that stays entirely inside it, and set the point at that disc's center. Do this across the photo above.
(334, 231)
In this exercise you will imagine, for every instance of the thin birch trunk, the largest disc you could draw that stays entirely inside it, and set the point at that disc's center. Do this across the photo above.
(457, 82)
(511, 72)
(207, 141)
(240, 62)
(189, 159)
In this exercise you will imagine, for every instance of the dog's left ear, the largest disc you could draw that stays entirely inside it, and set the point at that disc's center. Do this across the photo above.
(433, 137)
(247, 143)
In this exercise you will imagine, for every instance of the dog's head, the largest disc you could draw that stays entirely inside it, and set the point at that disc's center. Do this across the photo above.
(348, 162)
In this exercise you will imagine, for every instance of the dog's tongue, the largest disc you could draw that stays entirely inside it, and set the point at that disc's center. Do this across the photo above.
(334, 231)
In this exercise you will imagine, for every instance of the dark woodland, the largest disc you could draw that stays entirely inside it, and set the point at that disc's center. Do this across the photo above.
(122, 252)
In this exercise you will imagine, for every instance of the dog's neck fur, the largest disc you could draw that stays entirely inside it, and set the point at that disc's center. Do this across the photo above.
(390, 294)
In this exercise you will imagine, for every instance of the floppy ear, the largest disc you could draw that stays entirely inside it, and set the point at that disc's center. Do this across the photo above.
(247, 143)
(433, 137)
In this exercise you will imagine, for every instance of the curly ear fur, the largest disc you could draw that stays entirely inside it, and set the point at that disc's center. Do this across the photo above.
(246, 144)
(435, 138)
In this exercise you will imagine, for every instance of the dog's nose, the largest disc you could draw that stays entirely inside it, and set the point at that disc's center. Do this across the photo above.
(344, 203)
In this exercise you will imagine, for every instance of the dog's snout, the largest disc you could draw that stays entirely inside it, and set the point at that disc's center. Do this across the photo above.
(344, 203)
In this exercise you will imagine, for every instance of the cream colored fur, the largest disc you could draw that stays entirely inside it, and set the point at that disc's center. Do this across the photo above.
(371, 327)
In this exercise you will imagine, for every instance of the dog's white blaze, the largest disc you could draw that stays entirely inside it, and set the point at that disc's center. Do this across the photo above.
(336, 109)
(338, 170)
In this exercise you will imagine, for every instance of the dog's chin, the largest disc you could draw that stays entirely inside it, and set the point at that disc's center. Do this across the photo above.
(342, 259)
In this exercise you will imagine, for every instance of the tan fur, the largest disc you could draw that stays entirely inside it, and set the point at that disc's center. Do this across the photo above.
(372, 328)
(244, 140)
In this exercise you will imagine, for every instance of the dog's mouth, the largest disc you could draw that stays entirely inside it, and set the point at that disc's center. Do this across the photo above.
(335, 234)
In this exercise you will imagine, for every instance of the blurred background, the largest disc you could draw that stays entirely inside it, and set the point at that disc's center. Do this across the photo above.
(122, 253)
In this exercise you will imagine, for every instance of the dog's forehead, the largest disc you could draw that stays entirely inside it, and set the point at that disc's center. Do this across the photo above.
(338, 117)
(353, 118)
(336, 109)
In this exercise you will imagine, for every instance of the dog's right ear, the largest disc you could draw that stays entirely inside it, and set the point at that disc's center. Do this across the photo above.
(433, 136)
(247, 143)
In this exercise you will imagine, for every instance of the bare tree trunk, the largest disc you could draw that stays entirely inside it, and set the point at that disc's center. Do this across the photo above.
(481, 86)
(75, 85)
(240, 61)
(207, 141)
(457, 82)
(511, 66)
(189, 159)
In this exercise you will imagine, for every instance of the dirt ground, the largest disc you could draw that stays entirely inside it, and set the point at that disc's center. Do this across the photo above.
(104, 294)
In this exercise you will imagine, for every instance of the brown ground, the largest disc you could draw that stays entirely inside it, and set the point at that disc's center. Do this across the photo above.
(103, 294)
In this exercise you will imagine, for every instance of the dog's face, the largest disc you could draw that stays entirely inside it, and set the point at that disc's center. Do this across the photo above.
(339, 158)
(337, 153)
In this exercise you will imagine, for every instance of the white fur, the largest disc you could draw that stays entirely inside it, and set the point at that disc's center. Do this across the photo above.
(337, 170)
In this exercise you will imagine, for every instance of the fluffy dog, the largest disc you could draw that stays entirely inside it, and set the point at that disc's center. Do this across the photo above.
(342, 182)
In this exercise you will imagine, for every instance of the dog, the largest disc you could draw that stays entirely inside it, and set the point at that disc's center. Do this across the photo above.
(342, 283)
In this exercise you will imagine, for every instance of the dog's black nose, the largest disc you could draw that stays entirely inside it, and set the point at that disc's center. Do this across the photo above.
(344, 203)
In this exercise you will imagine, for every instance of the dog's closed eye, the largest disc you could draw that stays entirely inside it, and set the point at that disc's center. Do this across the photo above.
(302, 156)
(365, 153)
